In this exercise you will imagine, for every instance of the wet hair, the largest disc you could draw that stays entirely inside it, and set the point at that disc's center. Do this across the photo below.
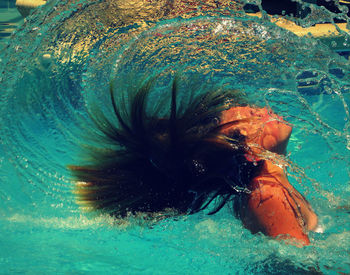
(181, 161)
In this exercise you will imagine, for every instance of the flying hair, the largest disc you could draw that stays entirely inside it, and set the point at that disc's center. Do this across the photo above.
(181, 161)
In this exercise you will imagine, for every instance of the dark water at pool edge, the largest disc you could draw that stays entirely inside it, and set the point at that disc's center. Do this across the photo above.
(9, 21)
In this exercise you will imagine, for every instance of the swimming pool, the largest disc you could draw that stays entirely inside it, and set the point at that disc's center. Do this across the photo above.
(62, 59)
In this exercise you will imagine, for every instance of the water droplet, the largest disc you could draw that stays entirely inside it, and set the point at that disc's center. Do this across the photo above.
(46, 60)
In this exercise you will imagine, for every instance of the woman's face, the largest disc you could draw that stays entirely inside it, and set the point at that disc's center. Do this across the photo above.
(260, 126)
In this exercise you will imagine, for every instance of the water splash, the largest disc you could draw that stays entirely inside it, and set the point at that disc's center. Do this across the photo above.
(63, 58)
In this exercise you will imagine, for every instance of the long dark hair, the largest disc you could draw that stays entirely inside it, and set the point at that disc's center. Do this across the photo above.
(180, 161)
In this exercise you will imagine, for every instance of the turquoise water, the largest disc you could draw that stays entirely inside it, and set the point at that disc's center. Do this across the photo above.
(62, 59)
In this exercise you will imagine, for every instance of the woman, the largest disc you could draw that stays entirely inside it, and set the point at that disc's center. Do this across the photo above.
(274, 206)
(207, 154)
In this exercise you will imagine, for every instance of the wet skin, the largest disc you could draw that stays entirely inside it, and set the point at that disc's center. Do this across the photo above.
(274, 207)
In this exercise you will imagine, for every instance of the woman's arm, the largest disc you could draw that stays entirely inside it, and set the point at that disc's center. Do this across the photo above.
(277, 209)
